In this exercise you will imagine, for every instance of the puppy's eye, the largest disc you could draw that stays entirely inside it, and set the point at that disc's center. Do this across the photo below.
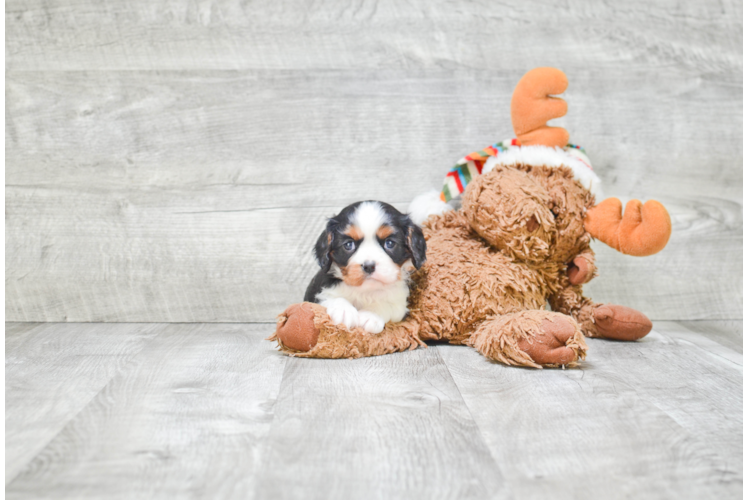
(389, 244)
(348, 245)
(555, 212)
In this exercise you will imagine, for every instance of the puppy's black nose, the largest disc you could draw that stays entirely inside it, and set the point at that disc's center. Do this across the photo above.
(369, 267)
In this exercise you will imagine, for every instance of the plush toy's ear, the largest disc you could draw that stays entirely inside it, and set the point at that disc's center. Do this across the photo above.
(416, 245)
(323, 248)
(532, 106)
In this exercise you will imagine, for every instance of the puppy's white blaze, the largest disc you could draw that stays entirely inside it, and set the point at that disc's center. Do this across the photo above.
(369, 217)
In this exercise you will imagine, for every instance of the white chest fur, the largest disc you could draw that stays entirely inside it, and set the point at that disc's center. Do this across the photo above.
(390, 302)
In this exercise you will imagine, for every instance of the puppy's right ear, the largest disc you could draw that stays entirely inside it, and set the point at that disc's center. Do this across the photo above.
(416, 244)
(323, 248)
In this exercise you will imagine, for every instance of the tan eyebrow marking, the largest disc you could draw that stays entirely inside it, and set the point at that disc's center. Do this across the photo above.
(384, 231)
(354, 232)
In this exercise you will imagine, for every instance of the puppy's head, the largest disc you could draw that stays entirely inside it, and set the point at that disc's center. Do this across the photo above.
(370, 244)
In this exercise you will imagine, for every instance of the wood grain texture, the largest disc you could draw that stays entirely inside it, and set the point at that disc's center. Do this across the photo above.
(213, 411)
(311, 135)
(745, 455)
(15, 334)
(167, 161)
(179, 256)
(659, 418)
(387, 427)
(280, 35)
(726, 333)
(185, 418)
(52, 372)
(174, 239)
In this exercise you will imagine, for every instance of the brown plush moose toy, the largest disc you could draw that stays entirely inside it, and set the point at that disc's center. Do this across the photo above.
(519, 241)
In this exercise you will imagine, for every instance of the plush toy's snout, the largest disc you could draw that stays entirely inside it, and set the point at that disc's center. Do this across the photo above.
(642, 230)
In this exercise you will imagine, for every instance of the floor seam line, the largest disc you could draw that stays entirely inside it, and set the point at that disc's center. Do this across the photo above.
(472, 417)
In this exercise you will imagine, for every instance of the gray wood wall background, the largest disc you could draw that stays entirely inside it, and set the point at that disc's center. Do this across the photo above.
(174, 161)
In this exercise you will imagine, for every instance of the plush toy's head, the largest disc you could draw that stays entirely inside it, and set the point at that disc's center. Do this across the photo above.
(530, 213)
(533, 197)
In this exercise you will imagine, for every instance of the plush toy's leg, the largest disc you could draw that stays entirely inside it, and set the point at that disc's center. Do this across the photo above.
(305, 330)
(531, 338)
(601, 320)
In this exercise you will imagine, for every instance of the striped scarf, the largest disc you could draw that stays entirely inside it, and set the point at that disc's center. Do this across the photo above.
(471, 166)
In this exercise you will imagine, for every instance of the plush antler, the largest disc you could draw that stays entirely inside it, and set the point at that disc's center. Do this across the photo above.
(532, 106)
(641, 230)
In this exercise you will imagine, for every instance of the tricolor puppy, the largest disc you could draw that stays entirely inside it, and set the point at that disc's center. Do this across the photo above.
(366, 253)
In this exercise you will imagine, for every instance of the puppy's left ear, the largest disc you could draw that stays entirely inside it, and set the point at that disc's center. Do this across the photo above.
(416, 245)
(323, 247)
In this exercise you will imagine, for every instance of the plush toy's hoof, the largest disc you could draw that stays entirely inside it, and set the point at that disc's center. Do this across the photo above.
(621, 323)
(549, 346)
(296, 328)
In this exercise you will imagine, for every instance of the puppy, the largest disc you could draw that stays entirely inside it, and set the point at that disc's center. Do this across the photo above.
(366, 254)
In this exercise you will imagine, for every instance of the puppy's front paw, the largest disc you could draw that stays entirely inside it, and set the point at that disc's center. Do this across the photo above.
(342, 312)
(370, 322)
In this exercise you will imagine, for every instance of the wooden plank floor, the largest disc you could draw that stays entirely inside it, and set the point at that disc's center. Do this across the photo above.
(213, 411)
